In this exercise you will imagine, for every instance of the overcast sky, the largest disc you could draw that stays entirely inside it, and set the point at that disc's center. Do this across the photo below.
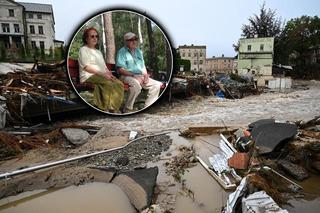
(216, 24)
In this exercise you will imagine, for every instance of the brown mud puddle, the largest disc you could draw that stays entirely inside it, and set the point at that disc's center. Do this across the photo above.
(91, 197)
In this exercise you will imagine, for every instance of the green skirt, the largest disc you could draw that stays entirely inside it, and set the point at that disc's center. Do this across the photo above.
(108, 94)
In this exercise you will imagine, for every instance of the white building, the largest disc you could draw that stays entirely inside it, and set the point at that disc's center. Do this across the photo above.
(30, 23)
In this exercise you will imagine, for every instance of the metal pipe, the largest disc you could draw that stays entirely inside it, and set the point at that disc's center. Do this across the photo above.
(55, 163)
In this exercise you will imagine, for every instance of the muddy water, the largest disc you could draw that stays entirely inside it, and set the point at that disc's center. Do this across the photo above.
(208, 195)
(91, 197)
(311, 201)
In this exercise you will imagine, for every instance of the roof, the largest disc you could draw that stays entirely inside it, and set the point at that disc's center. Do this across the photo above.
(218, 58)
(35, 7)
(192, 46)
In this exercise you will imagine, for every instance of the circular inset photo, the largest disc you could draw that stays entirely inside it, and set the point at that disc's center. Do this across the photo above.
(120, 62)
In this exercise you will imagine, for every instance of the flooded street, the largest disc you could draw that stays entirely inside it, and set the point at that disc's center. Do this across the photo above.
(213, 111)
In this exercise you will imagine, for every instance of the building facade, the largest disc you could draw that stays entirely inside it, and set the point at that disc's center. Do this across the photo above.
(222, 65)
(27, 24)
(255, 59)
(196, 54)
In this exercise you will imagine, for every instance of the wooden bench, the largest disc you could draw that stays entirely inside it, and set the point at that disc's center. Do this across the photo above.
(73, 66)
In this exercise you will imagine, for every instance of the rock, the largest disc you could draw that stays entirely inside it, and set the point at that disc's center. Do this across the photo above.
(294, 170)
(138, 185)
(76, 136)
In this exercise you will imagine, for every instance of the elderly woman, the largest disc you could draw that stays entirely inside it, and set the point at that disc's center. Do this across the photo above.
(108, 92)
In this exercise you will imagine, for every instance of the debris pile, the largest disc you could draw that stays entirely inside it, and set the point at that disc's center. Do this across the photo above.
(22, 88)
(267, 154)
(178, 164)
(235, 89)
(15, 143)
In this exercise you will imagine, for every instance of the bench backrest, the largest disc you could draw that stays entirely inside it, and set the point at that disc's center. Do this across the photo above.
(74, 69)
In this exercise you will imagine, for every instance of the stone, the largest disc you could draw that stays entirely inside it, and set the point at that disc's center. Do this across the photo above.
(76, 136)
(294, 170)
(138, 185)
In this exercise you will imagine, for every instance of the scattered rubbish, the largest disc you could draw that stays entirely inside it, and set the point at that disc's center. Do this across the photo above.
(269, 136)
(244, 144)
(234, 196)
(76, 136)
(220, 94)
(220, 170)
(133, 135)
(138, 185)
(260, 202)
(178, 164)
(239, 161)
(225, 183)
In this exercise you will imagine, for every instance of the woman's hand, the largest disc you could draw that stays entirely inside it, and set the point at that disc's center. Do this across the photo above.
(108, 75)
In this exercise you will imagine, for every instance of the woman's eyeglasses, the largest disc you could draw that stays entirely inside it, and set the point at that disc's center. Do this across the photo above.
(94, 36)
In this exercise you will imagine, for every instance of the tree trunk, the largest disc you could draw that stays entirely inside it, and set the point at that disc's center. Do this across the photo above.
(152, 54)
(168, 58)
(109, 34)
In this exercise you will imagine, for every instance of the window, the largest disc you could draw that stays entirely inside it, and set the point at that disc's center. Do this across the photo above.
(200, 54)
(33, 44)
(5, 28)
(40, 28)
(11, 12)
(30, 15)
(189, 54)
(39, 16)
(32, 31)
(261, 47)
(201, 61)
(183, 54)
(42, 45)
(249, 47)
(200, 69)
(195, 54)
(16, 28)
(266, 82)
(195, 62)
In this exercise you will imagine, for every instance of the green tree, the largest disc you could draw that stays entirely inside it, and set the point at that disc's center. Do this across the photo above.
(299, 35)
(266, 24)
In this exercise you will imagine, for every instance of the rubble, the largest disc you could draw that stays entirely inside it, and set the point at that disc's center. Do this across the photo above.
(294, 170)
